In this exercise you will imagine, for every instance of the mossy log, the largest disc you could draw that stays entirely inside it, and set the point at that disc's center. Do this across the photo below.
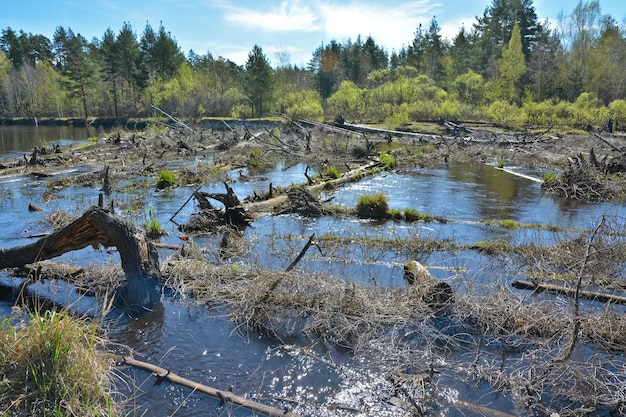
(96, 227)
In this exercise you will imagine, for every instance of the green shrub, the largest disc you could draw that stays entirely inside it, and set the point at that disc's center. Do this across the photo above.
(387, 161)
(166, 179)
(255, 157)
(373, 206)
(332, 172)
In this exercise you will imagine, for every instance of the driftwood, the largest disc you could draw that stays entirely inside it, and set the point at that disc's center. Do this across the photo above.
(223, 396)
(97, 227)
(571, 292)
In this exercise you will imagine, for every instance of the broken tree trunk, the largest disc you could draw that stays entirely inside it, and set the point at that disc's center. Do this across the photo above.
(433, 292)
(95, 227)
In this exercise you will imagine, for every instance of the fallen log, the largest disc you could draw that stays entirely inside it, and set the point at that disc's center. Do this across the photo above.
(571, 292)
(139, 257)
(257, 207)
(224, 396)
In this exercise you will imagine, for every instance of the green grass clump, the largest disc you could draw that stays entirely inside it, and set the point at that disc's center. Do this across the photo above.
(510, 224)
(332, 172)
(254, 159)
(51, 366)
(166, 179)
(548, 176)
(374, 206)
(387, 161)
(153, 226)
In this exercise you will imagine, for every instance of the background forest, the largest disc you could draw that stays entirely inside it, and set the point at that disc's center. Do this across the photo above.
(509, 68)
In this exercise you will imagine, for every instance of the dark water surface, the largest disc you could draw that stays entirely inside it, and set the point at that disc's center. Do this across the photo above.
(203, 344)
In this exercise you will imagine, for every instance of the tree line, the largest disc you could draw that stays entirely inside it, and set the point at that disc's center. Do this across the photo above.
(508, 67)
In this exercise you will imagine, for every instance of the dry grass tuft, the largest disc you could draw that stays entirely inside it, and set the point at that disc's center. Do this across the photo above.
(52, 364)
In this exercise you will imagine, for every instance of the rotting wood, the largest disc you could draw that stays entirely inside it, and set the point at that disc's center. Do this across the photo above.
(225, 396)
(433, 292)
(139, 257)
(571, 292)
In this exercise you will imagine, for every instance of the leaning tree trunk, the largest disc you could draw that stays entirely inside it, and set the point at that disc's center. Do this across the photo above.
(139, 257)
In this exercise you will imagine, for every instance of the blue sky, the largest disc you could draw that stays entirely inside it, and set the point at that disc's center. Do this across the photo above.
(231, 28)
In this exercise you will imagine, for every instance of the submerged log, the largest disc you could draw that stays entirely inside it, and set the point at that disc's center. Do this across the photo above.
(96, 227)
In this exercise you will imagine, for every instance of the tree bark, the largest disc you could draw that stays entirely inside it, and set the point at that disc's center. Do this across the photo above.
(139, 257)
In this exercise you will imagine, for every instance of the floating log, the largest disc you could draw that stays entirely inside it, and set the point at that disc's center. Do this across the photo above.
(571, 292)
(139, 257)
(224, 396)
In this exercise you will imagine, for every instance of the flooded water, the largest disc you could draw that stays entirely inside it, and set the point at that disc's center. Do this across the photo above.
(204, 345)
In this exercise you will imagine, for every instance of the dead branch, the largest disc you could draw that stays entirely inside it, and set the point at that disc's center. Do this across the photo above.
(301, 254)
(225, 396)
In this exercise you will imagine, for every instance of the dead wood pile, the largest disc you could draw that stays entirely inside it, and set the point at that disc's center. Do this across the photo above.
(589, 178)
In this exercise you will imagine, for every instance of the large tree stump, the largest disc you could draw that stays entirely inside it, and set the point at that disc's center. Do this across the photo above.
(433, 292)
(139, 257)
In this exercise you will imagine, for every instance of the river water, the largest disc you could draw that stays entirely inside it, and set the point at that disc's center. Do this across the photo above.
(203, 344)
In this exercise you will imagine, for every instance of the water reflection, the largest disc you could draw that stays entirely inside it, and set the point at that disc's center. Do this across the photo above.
(19, 139)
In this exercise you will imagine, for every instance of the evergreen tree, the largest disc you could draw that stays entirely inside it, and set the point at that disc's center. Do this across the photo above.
(435, 51)
(512, 68)
(25, 48)
(258, 80)
(161, 54)
(325, 66)
(461, 51)
(542, 65)
(494, 28)
(416, 52)
(77, 64)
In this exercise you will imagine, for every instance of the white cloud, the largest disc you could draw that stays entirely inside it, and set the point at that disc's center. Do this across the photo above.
(289, 16)
(390, 26)
(451, 28)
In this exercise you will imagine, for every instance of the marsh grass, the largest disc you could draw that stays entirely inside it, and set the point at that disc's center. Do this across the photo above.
(51, 364)
(373, 206)
(153, 226)
(166, 179)
(516, 342)
(332, 172)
